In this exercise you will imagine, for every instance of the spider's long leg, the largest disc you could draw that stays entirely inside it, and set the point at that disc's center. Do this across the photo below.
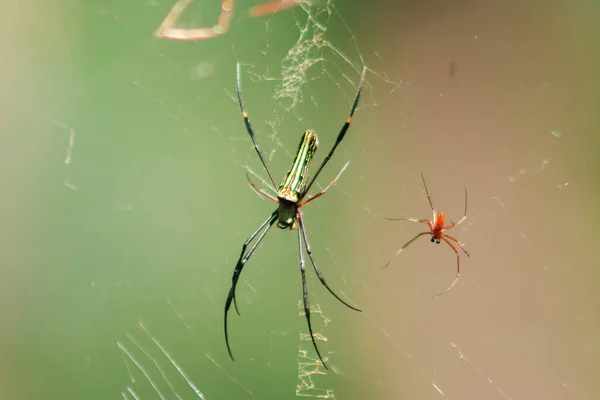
(168, 31)
(429, 197)
(342, 133)
(243, 259)
(240, 265)
(272, 7)
(465, 214)
(452, 225)
(249, 125)
(459, 244)
(260, 191)
(457, 268)
(405, 246)
(305, 298)
(267, 184)
(322, 192)
(314, 264)
(422, 221)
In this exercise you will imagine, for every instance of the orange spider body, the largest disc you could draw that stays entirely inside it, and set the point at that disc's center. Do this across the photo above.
(437, 228)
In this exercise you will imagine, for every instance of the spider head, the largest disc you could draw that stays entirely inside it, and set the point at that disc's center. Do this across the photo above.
(434, 240)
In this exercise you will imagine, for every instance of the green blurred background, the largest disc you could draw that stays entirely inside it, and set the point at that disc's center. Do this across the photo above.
(125, 201)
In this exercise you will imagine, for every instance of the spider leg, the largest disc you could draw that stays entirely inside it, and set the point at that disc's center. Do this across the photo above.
(428, 197)
(249, 125)
(459, 244)
(465, 214)
(314, 264)
(461, 220)
(242, 260)
(168, 31)
(267, 184)
(342, 133)
(448, 227)
(422, 221)
(260, 191)
(322, 192)
(305, 298)
(272, 7)
(244, 257)
(405, 246)
(457, 268)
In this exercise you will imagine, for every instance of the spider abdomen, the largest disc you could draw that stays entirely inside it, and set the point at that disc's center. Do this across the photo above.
(295, 180)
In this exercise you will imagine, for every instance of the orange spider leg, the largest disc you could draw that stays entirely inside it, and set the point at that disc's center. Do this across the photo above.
(264, 182)
(322, 192)
(260, 191)
(405, 246)
(422, 221)
(429, 197)
(457, 268)
(459, 244)
(452, 224)
(272, 7)
(167, 28)
(448, 227)
(461, 220)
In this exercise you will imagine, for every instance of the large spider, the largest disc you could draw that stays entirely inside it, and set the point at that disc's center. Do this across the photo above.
(437, 230)
(290, 197)
(167, 28)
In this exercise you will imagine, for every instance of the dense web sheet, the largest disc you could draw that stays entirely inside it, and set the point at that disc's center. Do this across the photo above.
(314, 60)
(142, 205)
(309, 366)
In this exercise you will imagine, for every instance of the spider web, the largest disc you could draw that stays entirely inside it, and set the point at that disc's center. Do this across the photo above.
(125, 203)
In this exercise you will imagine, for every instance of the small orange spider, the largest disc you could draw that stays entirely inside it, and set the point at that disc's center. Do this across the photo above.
(167, 28)
(437, 230)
